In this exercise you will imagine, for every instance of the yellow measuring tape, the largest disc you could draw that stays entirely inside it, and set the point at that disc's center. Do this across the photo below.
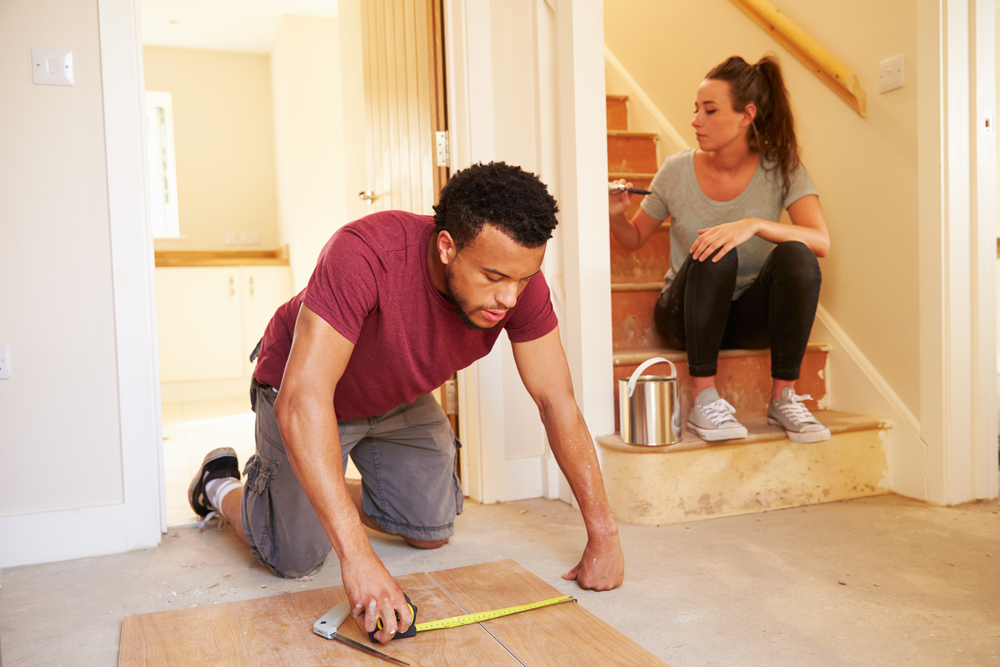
(487, 615)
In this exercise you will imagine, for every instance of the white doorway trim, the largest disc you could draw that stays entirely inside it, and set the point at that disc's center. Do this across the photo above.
(955, 168)
(132, 273)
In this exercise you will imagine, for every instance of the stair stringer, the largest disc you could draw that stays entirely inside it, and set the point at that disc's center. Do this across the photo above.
(855, 385)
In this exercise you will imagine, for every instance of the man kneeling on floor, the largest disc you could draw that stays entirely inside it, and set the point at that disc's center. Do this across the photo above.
(397, 303)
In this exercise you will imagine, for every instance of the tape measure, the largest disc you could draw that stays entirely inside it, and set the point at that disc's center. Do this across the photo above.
(487, 615)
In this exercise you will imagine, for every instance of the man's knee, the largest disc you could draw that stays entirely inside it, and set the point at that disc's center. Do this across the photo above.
(426, 544)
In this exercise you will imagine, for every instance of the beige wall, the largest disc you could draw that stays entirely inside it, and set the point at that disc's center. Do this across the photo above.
(864, 168)
(309, 135)
(224, 143)
(60, 444)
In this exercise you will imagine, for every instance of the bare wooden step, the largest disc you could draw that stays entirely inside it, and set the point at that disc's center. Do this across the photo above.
(632, 325)
(617, 106)
(694, 480)
(631, 151)
(648, 264)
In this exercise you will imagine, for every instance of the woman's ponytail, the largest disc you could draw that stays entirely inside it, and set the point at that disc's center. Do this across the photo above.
(772, 133)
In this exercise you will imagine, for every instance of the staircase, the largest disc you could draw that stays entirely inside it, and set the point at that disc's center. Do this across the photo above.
(694, 479)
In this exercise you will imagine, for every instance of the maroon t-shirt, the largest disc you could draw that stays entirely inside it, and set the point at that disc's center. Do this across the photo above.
(372, 283)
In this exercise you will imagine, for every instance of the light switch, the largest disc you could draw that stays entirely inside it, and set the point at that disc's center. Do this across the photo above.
(890, 74)
(52, 67)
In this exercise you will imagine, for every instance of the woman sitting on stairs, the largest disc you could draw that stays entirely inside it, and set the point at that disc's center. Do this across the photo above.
(738, 278)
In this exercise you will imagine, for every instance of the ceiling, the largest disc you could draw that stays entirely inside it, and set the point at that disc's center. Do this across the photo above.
(247, 26)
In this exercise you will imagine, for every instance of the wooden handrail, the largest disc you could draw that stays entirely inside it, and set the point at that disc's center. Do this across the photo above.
(817, 59)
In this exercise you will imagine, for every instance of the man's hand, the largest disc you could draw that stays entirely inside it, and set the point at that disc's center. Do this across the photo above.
(374, 595)
(602, 567)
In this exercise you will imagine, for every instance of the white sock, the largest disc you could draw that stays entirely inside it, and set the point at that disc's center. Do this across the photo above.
(217, 489)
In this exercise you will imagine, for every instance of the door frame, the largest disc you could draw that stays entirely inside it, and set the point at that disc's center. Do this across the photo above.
(957, 240)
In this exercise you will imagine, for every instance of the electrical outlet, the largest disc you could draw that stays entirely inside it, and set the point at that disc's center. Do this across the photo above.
(890, 74)
(4, 361)
(249, 238)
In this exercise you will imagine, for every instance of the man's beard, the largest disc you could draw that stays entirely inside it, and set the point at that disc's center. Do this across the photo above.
(460, 305)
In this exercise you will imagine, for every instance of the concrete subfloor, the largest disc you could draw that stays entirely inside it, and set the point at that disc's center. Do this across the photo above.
(878, 581)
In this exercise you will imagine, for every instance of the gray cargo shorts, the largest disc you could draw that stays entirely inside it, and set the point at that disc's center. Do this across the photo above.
(406, 458)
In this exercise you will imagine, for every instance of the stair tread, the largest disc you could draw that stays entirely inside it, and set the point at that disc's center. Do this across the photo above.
(636, 357)
(614, 175)
(630, 133)
(759, 431)
(616, 97)
(637, 287)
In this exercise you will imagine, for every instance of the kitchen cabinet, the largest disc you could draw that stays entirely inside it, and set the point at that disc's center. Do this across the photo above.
(211, 317)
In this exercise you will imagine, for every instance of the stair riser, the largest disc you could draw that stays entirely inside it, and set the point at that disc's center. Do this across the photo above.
(648, 264)
(631, 154)
(726, 480)
(617, 114)
(743, 381)
(632, 325)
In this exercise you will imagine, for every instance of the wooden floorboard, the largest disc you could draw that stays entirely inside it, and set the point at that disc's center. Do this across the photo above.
(563, 634)
(208, 636)
(277, 631)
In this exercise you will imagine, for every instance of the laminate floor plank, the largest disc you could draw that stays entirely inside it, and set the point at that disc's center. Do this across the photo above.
(277, 631)
(208, 636)
(563, 634)
(465, 645)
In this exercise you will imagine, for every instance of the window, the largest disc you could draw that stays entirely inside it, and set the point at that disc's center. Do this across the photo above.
(162, 172)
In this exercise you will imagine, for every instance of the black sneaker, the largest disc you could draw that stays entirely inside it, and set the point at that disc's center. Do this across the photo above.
(219, 463)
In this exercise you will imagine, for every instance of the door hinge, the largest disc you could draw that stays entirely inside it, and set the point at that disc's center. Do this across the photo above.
(441, 140)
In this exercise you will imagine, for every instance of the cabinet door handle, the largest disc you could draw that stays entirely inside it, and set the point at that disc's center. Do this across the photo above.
(251, 287)
(232, 288)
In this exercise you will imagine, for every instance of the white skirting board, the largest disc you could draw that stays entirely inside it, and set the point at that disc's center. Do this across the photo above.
(45, 537)
(854, 385)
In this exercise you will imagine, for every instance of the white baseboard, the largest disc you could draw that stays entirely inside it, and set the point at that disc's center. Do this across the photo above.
(855, 385)
(48, 537)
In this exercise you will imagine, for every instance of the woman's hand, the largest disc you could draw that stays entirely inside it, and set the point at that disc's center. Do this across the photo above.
(726, 237)
(618, 202)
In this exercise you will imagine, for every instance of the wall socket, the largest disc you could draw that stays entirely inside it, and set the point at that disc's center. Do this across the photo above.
(4, 361)
(249, 238)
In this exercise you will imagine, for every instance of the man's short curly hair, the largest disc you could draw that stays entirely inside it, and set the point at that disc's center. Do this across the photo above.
(513, 200)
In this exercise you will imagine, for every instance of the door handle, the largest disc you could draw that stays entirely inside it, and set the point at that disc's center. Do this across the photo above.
(367, 195)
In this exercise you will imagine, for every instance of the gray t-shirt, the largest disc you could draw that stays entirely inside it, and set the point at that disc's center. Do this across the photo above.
(675, 191)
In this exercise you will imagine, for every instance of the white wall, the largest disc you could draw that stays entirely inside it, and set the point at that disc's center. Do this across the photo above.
(78, 451)
(59, 411)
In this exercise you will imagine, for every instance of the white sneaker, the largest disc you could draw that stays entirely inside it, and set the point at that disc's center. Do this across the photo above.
(711, 418)
(791, 414)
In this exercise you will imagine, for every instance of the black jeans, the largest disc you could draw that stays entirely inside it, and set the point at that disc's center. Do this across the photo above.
(697, 312)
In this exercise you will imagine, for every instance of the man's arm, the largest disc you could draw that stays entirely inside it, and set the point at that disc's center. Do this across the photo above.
(545, 373)
(305, 412)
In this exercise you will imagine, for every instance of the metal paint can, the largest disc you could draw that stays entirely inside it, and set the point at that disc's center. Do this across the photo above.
(650, 406)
